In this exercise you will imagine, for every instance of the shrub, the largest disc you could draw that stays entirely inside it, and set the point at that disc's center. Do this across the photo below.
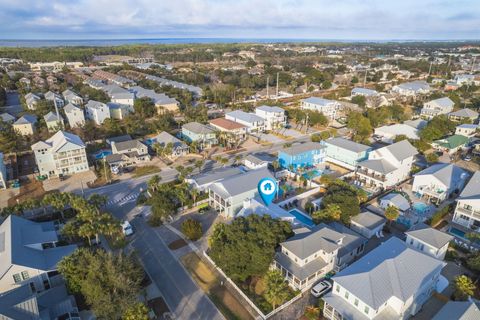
(192, 229)
(439, 215)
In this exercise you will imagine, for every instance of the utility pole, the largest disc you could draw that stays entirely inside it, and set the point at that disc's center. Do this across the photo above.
(365, 78)
(473, 64)
(277, 88)
(268, 80)
(306, 123)
(430, 69)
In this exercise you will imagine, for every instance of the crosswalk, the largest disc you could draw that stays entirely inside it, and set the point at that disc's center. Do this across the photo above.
(130, 197)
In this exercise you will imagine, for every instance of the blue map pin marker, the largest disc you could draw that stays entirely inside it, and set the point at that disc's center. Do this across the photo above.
(267, 188)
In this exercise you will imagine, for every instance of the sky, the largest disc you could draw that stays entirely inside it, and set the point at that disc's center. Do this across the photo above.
(264, 19)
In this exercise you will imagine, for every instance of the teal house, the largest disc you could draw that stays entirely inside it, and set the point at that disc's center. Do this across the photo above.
(345, 153)
(196, 132)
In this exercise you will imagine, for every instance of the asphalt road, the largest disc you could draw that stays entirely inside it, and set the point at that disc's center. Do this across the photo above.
(181, 294)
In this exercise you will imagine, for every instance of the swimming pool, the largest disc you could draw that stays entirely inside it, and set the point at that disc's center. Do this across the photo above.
(420, 207)
(102, 154)
(302, 217)
(314, 173)
(456, 232)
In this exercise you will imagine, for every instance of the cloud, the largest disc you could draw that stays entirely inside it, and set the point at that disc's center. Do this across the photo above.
(346, 19)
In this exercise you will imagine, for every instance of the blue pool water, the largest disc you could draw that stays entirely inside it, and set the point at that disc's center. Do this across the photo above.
(303, 218)
(149, 141)
(102, 154)
(315, 173)
(457, 232)
(420, 207)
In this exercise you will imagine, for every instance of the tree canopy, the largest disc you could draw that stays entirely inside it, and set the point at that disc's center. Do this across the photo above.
(344, 197)
(246, 247)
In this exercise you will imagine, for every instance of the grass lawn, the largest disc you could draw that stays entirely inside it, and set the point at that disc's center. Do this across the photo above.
(208, 280)
(145, 170)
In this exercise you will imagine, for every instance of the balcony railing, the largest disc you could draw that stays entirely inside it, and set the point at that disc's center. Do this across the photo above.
(376, 176)
(470, 213)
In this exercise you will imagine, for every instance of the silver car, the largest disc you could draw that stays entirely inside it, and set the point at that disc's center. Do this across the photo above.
(321, 288)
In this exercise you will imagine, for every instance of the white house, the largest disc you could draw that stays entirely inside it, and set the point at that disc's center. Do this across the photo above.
(368, 224)
(396, 200)
(329, 108)
(97, 111)
(72, 97)
(74, 115)
(119, 95)
(202, 181)
(127, 152)
(257, 161)
(465, 114)
(55, 98)
(462, 79)
(53, 122)
(254, 123)
(31, 100)
(428, 240)
(439, 181)
(63, 153)
(29, 254)
(388, 133)
(274, 117)
(387, 166)
(25, 125)
(467, 211)
(412, 88)
(7, 117)
(467, 130)
(459, 310)
(437, 107)
(364, 92)
(392, 281)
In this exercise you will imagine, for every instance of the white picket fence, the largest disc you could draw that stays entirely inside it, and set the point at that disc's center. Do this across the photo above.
(250, 302)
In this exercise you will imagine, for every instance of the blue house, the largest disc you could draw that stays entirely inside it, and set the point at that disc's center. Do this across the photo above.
(200, 133)
(302, 155)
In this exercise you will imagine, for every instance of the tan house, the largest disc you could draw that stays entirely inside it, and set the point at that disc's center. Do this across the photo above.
(25, 126)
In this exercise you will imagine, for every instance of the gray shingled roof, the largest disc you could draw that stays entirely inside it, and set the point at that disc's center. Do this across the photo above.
(351, 240)
(198, 128)
(392, 269)
(301, 148)
(270, 109)
(245, 116)
(397, 200)
(378, 165)
(165, 138)
(465, 113)
(216, 175)
(51, 116)
(129, 144)
(240, 183)
(364, 91)
(472, 189)
(301, 272)
(321, 237)
(446, 173)
(368, 220)
(429, 235)
(348, 144)
(459, 310)
(443, 102)
(402, 150)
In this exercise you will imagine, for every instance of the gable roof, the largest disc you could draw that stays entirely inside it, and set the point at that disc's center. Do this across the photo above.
(198, 128)
(444, 102)
(348, 144)
(378, 165)
(368, 220)
(307, 242)
(459, 310)
(270, 109)
(16, 237)
(397, 200)
(7, 117)
(165, 138)
(240, 183)
(245, 116)
(446, 173)
(319, 101)
(392, 269)
(302, 148)
(402, 150)
(472, 189)
(364, 91)
(429, 235)
(464, 113)
(92, 104)
(52, 116)
(128, 144)
(216, 175)
(415, 85)
(452, 142)
(26, 119)
(58, 140)
(71, 108)
(226, 124)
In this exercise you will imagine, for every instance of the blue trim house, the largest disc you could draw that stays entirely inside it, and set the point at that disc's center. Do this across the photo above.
(302, 155)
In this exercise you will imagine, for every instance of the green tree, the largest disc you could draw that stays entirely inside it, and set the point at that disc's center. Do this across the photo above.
(431, 157)
(246, 246)
(192, 229)
(345, 196)
(474, 262)
(276, 288)
(360, 126)
(391, 213)
(331, 212)
(437, 128)
(138, 311)
(360, 100)
(464, 288)
(109, 282)
(144, 107)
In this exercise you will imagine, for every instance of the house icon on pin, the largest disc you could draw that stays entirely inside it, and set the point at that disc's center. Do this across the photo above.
(267, 186)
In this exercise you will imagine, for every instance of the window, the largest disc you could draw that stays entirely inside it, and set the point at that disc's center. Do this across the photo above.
(25, 275)
(17, 278)
(356, 302)
(411, 241)
(346, 295)
(337, 288)
(366, 310)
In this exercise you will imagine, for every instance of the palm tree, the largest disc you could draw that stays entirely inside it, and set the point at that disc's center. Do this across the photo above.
(98, 200)
(199, 164)
(223, 161)
(153, 182)
(237, 159)
(194, 194)
(275, 165)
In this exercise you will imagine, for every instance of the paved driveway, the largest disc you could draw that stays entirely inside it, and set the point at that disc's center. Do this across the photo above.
(181, 294)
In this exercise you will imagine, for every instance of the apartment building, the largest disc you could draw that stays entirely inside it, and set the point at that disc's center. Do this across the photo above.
(392, 281)
(387, 166)
(63, 153)
(274, 117)
(329, 108)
